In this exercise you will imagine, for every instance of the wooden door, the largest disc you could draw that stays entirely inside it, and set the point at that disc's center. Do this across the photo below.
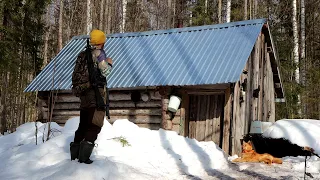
(206, 117)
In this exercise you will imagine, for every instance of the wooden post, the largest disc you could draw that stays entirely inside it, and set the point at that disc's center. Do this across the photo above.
(226, 121)
(237, 127)
(183, 131)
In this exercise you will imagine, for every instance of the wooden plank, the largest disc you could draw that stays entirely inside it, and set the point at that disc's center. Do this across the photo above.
(271, 93)
(256, 59)
(265, 86)
(214, 115)
(248, 96)
(226, 121)
(208, 120)
(237, 126)
(193, 116)
(261, 79)
(199, 128)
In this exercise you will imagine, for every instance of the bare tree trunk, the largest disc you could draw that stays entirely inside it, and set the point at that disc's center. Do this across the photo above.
(89, 19)
(303, 51)
(228, 15)
(124, 14)
(303, 38)
(169, 19)
(3, 110)
(101, 15)
(60, 25)
(220, 11)
(46, 39)
(296, 48)
(255, 9)
(250, 9)
(206, 6)
(245, 9)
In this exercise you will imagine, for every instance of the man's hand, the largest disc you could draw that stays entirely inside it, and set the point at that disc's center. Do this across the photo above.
(109, 60)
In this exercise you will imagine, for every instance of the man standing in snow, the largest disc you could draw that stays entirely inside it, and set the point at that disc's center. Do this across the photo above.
(91, 115)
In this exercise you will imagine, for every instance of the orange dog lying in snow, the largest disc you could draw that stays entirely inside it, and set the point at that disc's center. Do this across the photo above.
(249, 155)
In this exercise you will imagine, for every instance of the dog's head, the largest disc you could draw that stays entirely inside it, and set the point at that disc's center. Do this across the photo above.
(246, 146)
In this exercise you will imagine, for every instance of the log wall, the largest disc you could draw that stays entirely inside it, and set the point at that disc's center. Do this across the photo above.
(144, 114)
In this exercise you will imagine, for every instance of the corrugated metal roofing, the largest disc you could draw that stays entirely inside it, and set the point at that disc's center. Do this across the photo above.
(200, 55)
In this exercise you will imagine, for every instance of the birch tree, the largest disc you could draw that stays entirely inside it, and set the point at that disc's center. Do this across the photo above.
(124, 11)
(89, 18)
(303, 38)
(296, 46)
(101, 14)
(220, 11)
(60, 26)
(228, 13)
(245, 9)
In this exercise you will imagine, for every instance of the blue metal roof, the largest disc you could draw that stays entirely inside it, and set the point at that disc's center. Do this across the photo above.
(202, 55)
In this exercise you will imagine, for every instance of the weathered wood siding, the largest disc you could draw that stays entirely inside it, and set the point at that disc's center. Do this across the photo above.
(253, 96)
(206, 118)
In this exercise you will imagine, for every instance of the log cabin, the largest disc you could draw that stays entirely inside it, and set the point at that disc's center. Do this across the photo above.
(224, 76)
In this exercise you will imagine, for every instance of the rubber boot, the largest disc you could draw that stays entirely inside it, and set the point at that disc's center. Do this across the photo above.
(86, 149)
(74, 150)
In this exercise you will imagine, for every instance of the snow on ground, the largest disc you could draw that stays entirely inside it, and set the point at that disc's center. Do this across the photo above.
(149, 154)
(304, 132)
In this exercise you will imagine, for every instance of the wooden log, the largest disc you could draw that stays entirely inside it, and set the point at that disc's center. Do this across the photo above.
(138, 119)
(150, 112)
(150, 126)
(67, 98)
(115, 112)
(126, 95)
(130, 104)
(115, 96)
(65, 113)
(67, 106)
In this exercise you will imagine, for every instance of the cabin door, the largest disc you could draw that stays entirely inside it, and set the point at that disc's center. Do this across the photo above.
(206, 117)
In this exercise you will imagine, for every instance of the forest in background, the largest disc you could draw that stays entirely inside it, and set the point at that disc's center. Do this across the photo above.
(32, 32)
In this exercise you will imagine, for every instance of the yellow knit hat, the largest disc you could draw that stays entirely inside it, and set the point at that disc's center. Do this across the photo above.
(97, 37)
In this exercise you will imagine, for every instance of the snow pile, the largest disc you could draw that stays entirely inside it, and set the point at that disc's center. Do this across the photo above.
(146, 154)
(303, 132)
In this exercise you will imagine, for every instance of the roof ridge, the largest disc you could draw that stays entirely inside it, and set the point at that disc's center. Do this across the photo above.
(180, 30)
